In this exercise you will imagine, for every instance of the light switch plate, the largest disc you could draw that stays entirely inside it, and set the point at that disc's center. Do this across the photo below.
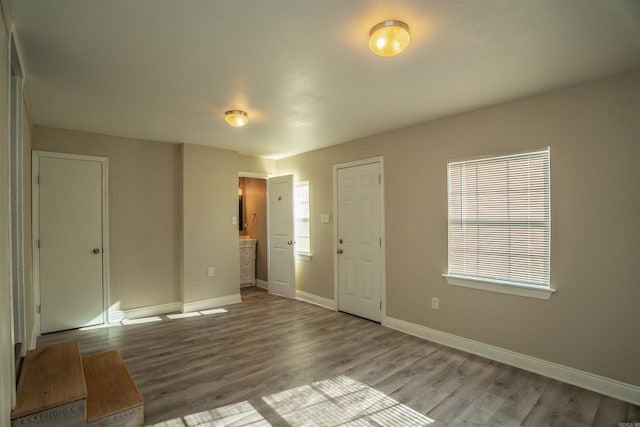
(234, 220)
(325, 218)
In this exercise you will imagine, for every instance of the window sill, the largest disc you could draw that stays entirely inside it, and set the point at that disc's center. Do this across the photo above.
(529, 291)
(303, 256)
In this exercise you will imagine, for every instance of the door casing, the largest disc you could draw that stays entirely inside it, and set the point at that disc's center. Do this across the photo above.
(383, 274)
(35, 215)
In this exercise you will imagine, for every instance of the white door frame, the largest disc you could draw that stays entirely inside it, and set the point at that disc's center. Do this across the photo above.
(383, 274)
(35, 215)
(15, 208)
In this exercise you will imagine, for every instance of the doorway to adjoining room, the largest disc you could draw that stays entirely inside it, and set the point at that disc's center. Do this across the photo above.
(252, 225)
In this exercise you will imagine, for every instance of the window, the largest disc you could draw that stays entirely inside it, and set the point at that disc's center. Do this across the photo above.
(301, 217)
(499, 224)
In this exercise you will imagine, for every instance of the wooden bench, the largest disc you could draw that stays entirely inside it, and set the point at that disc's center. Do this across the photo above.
(112, 397)
(58, 388)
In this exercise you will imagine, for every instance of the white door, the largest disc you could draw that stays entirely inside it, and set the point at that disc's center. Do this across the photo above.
(359, 240)
(70, 258)
(281, 263)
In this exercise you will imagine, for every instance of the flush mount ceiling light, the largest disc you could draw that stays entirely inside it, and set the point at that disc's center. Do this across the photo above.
(389, 38)
(236, 118)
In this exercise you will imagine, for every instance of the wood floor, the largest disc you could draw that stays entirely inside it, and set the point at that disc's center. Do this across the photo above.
(274, 361)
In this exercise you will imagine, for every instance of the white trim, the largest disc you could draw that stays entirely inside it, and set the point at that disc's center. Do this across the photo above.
(383, 232)
(211, 303)
(254, 175)
(262, 284)
(34, 337)
(317, 300)
(35, 232)
(35, 226)
(607, 386)
(116, 316)
(500, 287)
(279, 290)
(15, 201)
(301, 256)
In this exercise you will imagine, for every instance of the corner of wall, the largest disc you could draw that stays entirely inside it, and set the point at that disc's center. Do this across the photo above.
(180, 245)
(6, 347)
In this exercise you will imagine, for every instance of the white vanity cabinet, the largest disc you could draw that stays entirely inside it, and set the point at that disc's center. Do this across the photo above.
(247, 262)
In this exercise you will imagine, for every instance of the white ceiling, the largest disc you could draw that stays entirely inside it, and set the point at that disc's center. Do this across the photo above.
(166, 70)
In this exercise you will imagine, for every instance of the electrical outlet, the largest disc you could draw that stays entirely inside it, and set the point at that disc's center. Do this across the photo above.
(435, 303)
(210, 271)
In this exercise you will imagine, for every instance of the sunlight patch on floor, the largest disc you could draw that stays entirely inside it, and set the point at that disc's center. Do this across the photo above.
(213, 311)
(238, 414)
(342, 401)
(152, 319)
(339, 401)
(141, 320)
(100, 326)
(183, 315)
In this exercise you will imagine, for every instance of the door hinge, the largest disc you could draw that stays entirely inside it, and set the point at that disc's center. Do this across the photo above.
(38, 243)
(38, 308)
(380, 241)
(379, 178)
(380, 305)
(38, 179)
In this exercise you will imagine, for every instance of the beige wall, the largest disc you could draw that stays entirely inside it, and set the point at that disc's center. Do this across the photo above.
(255, 191)
(150, 261)
(6, 347)
(210, 200)
(257, 165)
(594, 134)
(144, 212)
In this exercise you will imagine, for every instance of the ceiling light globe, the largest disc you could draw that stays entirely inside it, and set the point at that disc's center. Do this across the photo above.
(236, 118)
(389, 38)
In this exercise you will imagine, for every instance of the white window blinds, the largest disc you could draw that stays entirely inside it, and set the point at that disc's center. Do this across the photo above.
(301, 211)
(499, 224)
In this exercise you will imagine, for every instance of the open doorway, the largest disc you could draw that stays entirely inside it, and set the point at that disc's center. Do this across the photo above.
(252, 226)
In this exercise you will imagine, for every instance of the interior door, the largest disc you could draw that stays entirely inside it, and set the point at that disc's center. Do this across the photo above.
(70, 243)
(281, 262)
(359, 240)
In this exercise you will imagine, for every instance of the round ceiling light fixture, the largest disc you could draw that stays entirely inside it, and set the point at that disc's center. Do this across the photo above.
(236, 118)
(389, 38)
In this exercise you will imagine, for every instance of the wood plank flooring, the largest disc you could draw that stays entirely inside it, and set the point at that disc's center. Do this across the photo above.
(274, 361)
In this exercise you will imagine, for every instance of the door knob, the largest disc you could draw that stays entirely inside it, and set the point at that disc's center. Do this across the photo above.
(339, 251)
(96, 251)
(289, 242)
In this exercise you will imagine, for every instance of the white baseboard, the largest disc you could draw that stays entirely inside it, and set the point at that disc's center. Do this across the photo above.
(148, 311)
(607, 386)
(262, 284)
(172, 307)
(211, 303)
(34, 337)
(315, 299)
